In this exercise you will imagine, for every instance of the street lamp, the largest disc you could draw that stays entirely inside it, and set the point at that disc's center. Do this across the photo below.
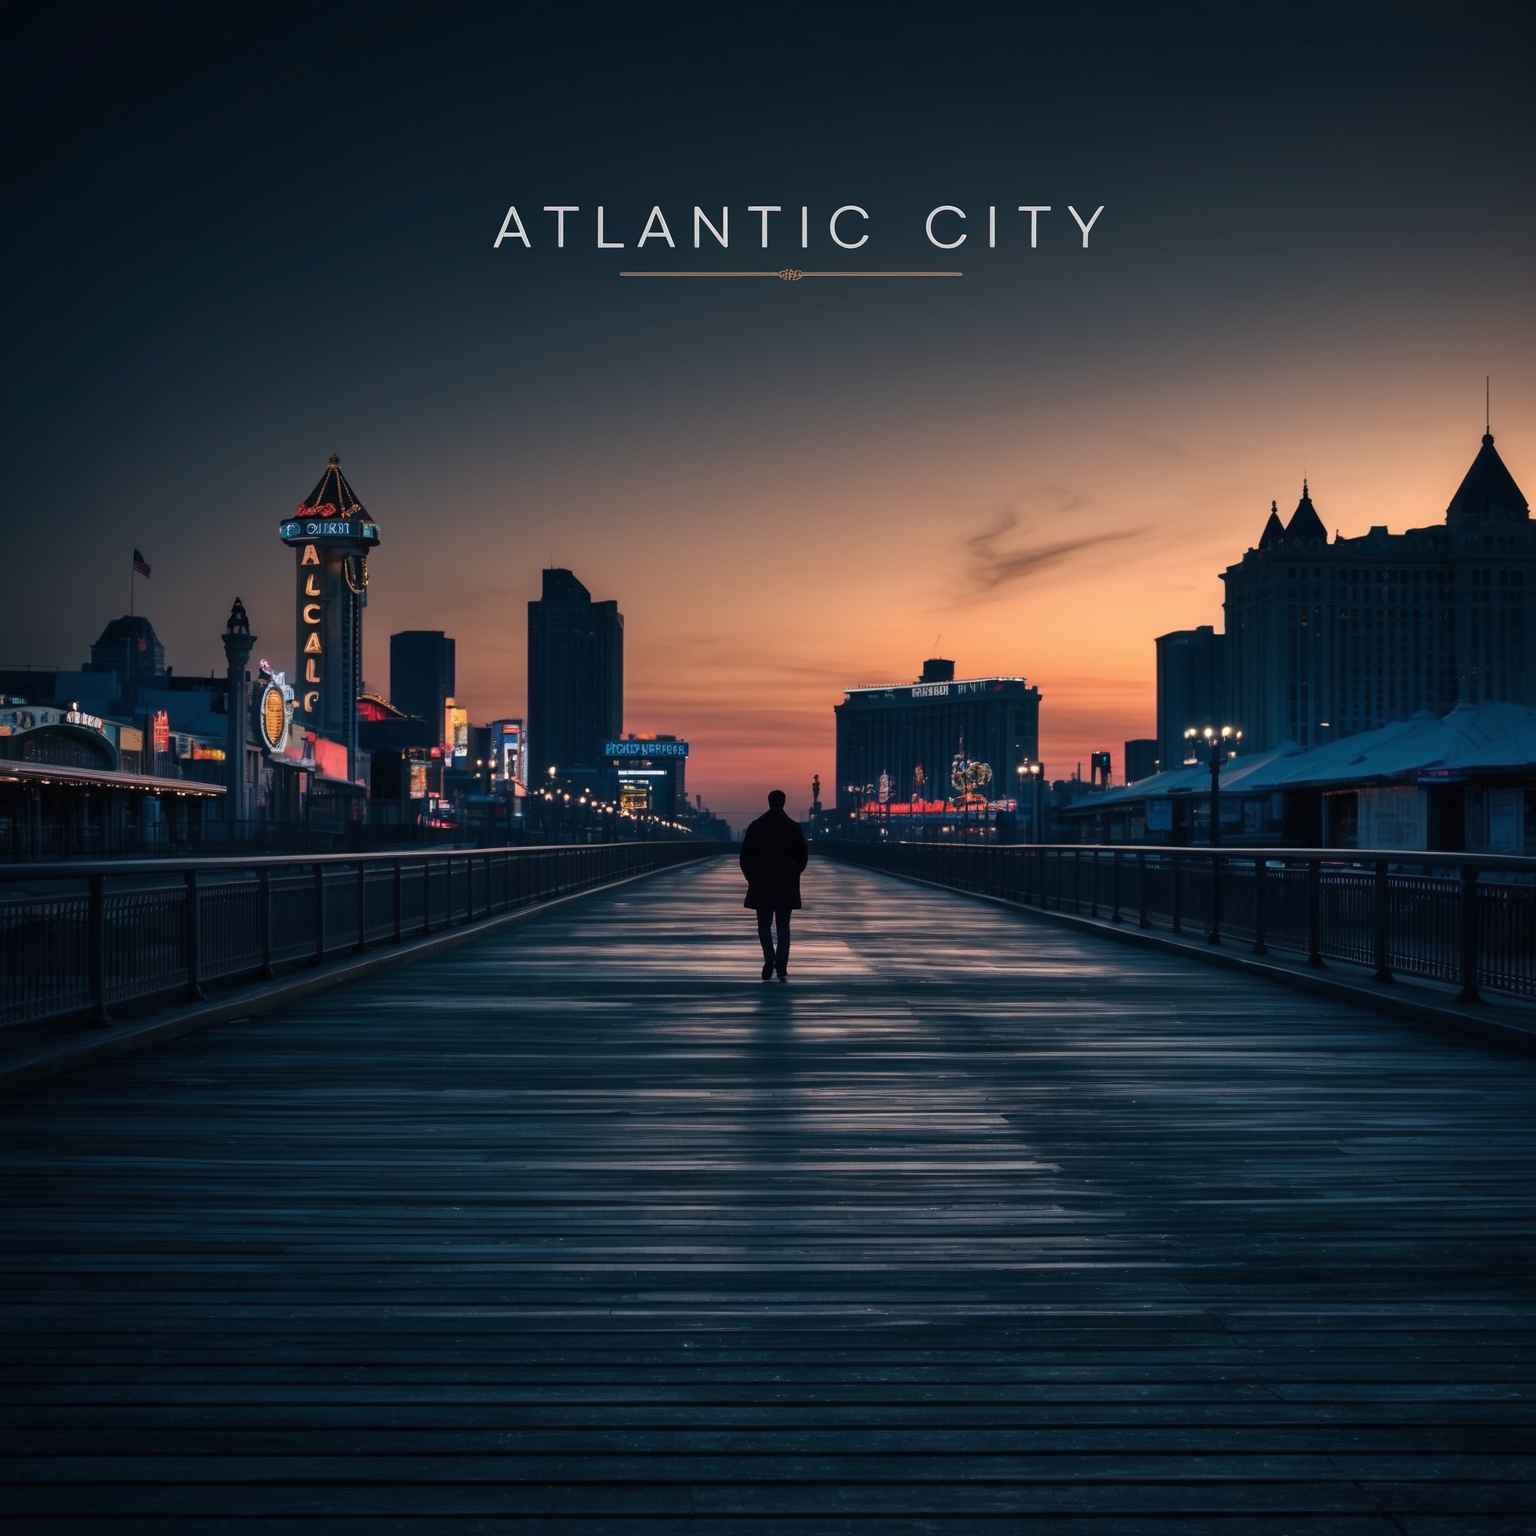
(1220, 744)
(1030, 773)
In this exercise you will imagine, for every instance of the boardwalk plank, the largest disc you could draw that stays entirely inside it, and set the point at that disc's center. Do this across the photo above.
(584, 1227)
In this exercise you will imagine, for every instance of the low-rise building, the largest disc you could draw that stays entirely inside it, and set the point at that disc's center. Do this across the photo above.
(1462, 782)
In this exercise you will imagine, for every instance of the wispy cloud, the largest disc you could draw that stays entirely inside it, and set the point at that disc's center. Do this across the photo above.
(992, 566)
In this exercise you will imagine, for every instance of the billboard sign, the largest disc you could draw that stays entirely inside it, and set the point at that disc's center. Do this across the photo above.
(652, 749)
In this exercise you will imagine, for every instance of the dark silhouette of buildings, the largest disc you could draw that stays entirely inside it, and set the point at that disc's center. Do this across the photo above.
(1325, 640)
(1191, 688)
(130, 648)
(935, 740)
(422, 667)
(1141, 759)
(575, 678)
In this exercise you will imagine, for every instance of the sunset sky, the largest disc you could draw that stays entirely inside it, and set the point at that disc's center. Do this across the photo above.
(241, 245)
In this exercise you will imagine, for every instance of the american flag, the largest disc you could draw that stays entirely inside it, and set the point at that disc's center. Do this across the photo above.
(140, 564)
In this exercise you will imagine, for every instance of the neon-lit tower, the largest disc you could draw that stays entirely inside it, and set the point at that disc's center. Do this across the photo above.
(331, 535)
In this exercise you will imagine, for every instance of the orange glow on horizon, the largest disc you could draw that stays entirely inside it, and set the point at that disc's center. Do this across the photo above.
(1053, 553)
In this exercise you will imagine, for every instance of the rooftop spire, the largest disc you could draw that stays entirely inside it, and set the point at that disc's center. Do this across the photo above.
(1488, 493)
(1305, 527)
(333, 497)
(1274, 529)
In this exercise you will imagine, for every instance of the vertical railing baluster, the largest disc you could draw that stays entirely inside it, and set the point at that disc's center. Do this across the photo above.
(1260, 873)
(1213, 929)
(1315, 913)
(319, 913)
(1382, 915)
(97, 939)
(1143, 917)
(1177, 903)
(1115, 915)
(399, 874)
(264, 921)
(192, 937)
(1469, 936)
(362, 906)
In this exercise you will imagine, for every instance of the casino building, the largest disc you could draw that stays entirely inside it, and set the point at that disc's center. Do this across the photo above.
(331, 536)
(936, 745)
(647, 775)
(1330, 639)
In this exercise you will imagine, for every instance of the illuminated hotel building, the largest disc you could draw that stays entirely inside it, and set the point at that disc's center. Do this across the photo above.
(331, 535)
(648, 774)
(904, 744)
(1325, 640)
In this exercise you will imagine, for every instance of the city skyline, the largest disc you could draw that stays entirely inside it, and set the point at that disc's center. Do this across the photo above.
(1305, 267)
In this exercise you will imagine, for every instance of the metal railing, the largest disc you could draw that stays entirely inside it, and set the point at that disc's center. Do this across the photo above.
(1466, 919)
(80, 939)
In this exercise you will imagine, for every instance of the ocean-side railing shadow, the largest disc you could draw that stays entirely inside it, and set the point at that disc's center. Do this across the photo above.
(77, 940)
(1468, 920)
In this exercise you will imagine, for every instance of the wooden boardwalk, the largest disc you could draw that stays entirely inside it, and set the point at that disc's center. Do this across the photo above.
(977, 1224)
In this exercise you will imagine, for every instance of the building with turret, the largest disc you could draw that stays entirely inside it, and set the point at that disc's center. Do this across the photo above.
(1326, 639)
(331, 535)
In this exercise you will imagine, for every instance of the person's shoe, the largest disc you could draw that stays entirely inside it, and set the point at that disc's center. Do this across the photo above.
(782, 976)
(767, 970)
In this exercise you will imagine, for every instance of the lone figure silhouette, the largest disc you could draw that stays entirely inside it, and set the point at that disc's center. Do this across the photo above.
(772, 855)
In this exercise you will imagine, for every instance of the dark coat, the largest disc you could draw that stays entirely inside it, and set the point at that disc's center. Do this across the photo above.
(772, 855)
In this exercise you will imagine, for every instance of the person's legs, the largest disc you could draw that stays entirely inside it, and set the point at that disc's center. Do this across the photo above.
(765, 934)
(781, 957)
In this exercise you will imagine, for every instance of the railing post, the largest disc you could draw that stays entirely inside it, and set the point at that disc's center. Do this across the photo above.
(1093, 890)
(399, 877)
(319, 913)
(1142, 918)
(1176, 905)
(192, 938)
(1315, 913)
(1383, 919)
(97, 940)
(362, 906)
(264, 920)
(1469, 992)
(1213, 931)
(1260, 874)
(1115, 881)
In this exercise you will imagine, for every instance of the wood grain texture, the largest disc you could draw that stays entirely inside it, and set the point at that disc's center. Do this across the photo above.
(977, 1224)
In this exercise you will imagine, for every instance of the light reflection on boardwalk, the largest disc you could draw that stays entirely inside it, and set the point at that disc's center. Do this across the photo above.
(976, 1217)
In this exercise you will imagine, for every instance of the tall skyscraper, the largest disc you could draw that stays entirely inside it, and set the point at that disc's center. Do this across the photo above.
(422, 668)
(1191, 688)
(1328, 639)
(575, 677)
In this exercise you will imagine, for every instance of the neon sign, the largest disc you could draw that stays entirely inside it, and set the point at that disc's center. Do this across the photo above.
(274, 710)
(645, 749)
